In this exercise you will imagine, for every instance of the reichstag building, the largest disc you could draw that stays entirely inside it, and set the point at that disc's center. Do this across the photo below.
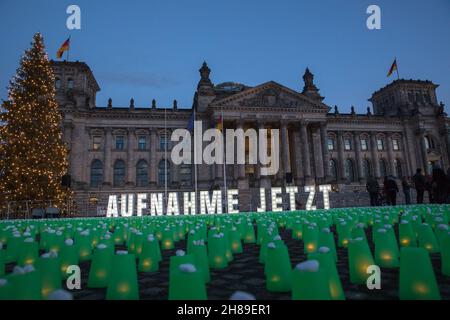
(119, 149)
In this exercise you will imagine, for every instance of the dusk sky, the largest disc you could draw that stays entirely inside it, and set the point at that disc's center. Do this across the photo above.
(153, 49)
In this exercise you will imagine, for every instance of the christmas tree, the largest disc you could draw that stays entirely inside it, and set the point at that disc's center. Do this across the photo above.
(33, 156)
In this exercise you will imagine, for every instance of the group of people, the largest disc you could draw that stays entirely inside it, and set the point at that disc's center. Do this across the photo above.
(437, 186)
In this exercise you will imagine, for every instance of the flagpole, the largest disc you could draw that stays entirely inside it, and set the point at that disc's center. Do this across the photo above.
(224, 165)
(165, 154)
(68, 50)
(396, 68)
(195, 164)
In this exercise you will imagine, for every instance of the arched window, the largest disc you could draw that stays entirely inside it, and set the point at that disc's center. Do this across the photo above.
(142, 173)
(429, 143)
(367, 170)
(119, 173)
(186, 175)
(70, 83)
(332, 170)
(163, 168)
(383, 170)
(96, 173)
(349, 170)
(398, 168)
(331, 143)
(57, 83)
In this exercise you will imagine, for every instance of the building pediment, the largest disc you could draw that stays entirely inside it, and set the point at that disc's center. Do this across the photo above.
(269, 95)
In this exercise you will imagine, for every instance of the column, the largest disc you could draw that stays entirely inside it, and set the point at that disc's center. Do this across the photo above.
(264, 180)
(107, 166)
(153, 164)
(423, 149)
(359, 166)
(318, 154)
(242, 180)
(390, 167)
(410, 149)
(374, 151)
(325, 154)
(298, 165)
(131, 161)
(305, 151)
(340, 147)
(285, 150)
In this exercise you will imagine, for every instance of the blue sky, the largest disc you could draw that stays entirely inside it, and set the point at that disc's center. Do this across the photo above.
(153, 49)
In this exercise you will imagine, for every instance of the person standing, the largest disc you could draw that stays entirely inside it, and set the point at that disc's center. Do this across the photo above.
(439, 185)
(391, 191)
(373, 188)
(406, 190)
(419, 185)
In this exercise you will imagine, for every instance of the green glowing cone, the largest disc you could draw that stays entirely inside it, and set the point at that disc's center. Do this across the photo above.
(326, 239)
(445, 255)
(187, 283)
(49, 265)
(122, 282)
(326, 261)
(84, 245)
(25, 286)
(100, 267)
(201, 259)
(359, 258)
(417, 279)
(68, 256)
(2, 262)
(150, 256)
(217, 252)
(236, 243)
(310, 239)
(407, 236)
(310, 282)
(386, 250)
(29, 252)
(427, 239)
(278, 268)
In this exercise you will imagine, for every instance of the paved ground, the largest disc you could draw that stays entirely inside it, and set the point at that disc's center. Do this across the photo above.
(245, 273)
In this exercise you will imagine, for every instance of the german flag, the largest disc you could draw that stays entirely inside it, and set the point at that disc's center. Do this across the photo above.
(65, 46)
(393, 67)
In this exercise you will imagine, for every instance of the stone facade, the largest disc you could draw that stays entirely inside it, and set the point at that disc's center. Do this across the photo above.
(123, 149)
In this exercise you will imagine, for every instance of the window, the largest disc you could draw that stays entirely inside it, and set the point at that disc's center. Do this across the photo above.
(96, 143)
(349, 170)
(96, 173)
(142, 173)
(331, 144)
(380, 144)
(347, 144)
(429, 143)
(332, 170)
(142, 143)
(69, 83)
(366, 168)
(383, 170)
(364, 145)
(162, 143)
(120, 143)
(119, 173)
(395, 144)
(186, 174)
(163, 172)
(58, 83)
